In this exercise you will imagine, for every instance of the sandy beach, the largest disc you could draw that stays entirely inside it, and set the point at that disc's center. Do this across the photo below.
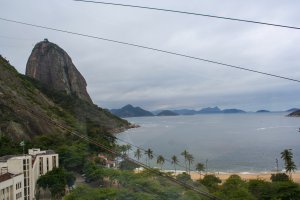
(244, 175)
(247, 176)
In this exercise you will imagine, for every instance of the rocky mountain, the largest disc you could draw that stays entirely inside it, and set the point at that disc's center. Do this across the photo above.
(130, 111)
(210, 110)
(52, 66)
(167, 113)
(232, 110)
(292, 110)
(263, 111)
(185, 112)
(294, 114)
(26, 105)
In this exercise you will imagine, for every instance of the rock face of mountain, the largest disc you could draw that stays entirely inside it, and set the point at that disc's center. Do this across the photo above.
(52, 66)
(167, 113)
(130, 111)
(26, 105)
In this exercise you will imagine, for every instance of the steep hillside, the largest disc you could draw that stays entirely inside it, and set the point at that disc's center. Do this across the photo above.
(25, 104)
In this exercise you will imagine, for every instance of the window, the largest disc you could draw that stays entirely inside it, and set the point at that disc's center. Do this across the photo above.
(47, 164)
(53, 161)
(19, 195)
(18, 185)
(41, 166)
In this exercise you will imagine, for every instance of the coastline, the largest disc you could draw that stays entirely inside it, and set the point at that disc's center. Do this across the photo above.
(244, 175)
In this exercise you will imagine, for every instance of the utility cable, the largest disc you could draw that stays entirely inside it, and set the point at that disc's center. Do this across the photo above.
(152, 49)
(190, 13)
(138, 147)
(87, 139)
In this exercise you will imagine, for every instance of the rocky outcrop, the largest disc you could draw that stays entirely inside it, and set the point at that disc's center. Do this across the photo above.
(26, 106)
(294, 114)
(52, 66)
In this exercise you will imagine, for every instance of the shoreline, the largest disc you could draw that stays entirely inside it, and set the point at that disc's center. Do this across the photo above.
(244, 175)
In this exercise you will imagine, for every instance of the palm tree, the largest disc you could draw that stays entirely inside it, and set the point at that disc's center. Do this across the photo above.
(290, 166)
(174, 162)
(128, 148)
(138, 154)
(190, 159)
(184, 154)
(160, 160)
(123, 149)
(199, 168)
(149, 157)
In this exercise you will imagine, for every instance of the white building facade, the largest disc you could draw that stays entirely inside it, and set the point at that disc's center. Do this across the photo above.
(28, 168)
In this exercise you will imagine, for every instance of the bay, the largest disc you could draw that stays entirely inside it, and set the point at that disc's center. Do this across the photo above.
(248, 142)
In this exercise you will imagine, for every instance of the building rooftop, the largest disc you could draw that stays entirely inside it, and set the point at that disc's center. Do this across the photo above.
(5, 177)
(21, 156)
(5, 158)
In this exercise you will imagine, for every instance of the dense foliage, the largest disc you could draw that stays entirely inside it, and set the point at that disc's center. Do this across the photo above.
(56, 181)
(115, 184)
(124, 184)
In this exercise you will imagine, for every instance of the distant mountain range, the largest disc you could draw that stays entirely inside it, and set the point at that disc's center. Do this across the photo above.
(131, 111)
(167, 113)
(263, 111)
(293, 110)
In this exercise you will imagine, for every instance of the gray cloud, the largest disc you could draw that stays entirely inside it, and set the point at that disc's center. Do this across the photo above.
(117, 75)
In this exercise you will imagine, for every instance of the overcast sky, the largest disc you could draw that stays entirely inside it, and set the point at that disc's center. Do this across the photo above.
(118, 75)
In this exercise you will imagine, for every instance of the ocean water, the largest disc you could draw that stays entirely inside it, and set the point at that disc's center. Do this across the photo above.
(226, 142)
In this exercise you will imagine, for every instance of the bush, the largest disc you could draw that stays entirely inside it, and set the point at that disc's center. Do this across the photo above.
(279, 177)
(211, 182)
(261, 189)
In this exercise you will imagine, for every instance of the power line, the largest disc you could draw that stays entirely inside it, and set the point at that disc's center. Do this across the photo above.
(87, 139)
(190, 13)
(138, 147)
(151, 48)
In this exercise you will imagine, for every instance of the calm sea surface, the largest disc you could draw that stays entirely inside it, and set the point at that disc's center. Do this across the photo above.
(229, 142)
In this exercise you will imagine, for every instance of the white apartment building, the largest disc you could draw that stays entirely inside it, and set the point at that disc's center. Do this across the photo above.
(27, 168)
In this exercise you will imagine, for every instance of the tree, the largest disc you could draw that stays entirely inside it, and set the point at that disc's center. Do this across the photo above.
(190, 159)
(279, 177)
(138, 154)
(127, 165)
(56, 181)
(184, 154)
(200, 168)
(174, 162)
(123, 149)
(287, 157)
(160, 160)
(235, 188)
(286, 190)
(261, 189)
(184, 177)
(211, 182)
(149, 157)
(128, 148)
